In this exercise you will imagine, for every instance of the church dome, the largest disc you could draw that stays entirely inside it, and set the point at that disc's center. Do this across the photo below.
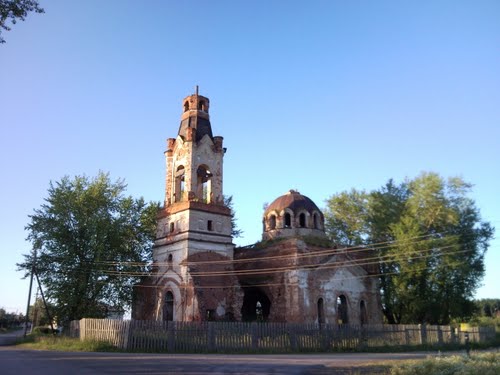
(292, 214)
(294, 201)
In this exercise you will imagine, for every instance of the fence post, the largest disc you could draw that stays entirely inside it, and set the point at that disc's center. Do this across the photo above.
(170, 337)
(211, 336)
(423, 334)
(363, 339)
(126, 333)
(440, 335)
(255, 337)
(83, 329)
(293, 336)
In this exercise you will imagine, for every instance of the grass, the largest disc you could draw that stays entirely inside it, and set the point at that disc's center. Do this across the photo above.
(61, 343)
(483, 364)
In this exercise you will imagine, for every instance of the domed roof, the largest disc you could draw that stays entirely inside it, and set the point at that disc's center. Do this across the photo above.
(294, 201)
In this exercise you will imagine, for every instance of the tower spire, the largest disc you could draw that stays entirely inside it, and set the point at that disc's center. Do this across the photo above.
(196, 89)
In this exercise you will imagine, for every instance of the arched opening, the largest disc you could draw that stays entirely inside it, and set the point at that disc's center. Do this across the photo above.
(256, 305)
(363, 316)
(342, 317)
(179, 183)
(321, 311)
(186, 106)
(201, 105)
(168, 307)
(302, 220)
(170, 258)
(204, 186)
(316, 221)
(288, 220)
(272, 222)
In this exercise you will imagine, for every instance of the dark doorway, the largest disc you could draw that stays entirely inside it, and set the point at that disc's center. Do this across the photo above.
(168, 307)
(362, 313)
(256, 305)
(342, 316)
(321, 311)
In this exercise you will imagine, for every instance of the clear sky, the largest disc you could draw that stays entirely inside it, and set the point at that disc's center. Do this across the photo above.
(319, 96)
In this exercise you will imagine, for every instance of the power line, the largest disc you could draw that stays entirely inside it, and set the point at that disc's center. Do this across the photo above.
(330, 251)
(349, 263)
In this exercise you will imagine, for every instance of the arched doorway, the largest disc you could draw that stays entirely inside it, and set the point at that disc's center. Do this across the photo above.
(256, 305)
(363, 317)
(321, 311)
(342, 316)
(168, 307)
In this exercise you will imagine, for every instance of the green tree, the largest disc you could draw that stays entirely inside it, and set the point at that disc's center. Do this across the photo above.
(92, 244)
(235, 231)
(14, 10)
(429, 239)
(38, 313)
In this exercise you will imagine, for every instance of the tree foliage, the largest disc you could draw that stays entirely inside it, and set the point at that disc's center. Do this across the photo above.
(235, 231)
(14, 10)
(38, 313)
(9, 320)
(91, 242)
(429, 239)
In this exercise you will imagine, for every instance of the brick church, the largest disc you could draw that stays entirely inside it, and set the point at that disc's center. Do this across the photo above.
(293, 275)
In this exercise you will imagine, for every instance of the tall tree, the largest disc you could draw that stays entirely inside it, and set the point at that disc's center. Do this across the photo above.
(92, 243)
(235, 231)
(15, 10)
(429, 239)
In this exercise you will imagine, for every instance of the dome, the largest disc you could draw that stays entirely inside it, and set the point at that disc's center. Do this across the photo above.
(292, 214)
(294, 201)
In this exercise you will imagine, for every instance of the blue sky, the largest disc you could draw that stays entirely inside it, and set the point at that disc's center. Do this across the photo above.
(319, 96)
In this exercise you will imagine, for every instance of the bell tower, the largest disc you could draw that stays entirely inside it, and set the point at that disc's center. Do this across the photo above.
(194, 226)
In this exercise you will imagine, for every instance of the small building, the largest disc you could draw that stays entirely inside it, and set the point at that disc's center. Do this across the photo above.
(293, 275)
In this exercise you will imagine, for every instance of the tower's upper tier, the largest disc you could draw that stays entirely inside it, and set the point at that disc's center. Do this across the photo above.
(195, 116)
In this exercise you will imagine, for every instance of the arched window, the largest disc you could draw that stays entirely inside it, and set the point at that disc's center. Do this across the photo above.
(201, 105)
(288, 220)
(342, 316)
(168, 307)
(316, 221)
(302, 220)
(179, 183)
(170, 258)
(321, 311)
(272, 222)
(363, 317)
(204, 189)
(186, 106)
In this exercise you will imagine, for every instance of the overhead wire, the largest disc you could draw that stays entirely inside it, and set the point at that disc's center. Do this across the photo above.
(351, 249)
(345, 264)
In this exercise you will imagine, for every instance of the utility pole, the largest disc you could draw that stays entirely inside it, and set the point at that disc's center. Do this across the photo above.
(34, 323)
(45, 303)
(26, 320)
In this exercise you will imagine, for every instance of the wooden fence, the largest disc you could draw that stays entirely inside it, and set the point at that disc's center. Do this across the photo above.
(223, 337)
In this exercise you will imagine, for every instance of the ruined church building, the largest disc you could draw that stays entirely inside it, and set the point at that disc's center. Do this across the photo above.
(293, 275)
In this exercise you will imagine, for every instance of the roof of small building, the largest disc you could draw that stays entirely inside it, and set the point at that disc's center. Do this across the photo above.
(294, 201)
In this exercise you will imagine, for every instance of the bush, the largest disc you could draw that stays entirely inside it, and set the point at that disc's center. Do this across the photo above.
(43, 331)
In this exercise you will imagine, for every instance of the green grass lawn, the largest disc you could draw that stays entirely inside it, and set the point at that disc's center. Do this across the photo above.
(476, 364)
(48, 342)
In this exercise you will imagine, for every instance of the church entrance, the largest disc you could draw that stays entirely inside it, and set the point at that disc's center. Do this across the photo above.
(256, 305)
